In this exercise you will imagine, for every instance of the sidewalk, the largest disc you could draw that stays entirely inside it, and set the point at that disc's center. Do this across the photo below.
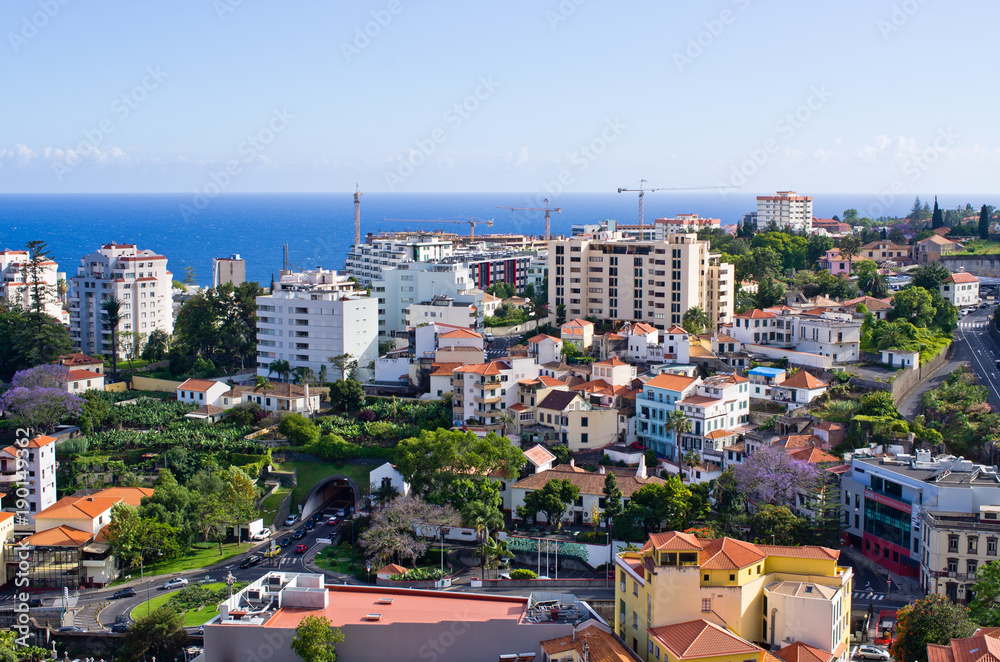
(901, 588)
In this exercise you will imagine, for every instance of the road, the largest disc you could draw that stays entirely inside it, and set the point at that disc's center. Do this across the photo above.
(973, 348)
(498, 348)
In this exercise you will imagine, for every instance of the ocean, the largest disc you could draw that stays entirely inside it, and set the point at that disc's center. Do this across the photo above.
(319, 228)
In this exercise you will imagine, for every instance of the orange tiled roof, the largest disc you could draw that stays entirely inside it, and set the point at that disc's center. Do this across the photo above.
(77, 507)
(755, 314)
(444, 369)
(77, 375)
(673, 541)
(730, 554)
(613, 362)
(133, 496)
(541, 337)
(550, 381)
(804, 552)
(78, 359)
(813, 456)
(671, 382)
(804, 379)
(676, 329)
(699, 638)
(60, 536)
(518, 407)
(392, 569)
(800, 652)
(579, 322)
(961, 277)
(601, 646)
(489, 368)
(197, 385)
(538, 455)
(37, 442)
(460, 333)
(589, 483)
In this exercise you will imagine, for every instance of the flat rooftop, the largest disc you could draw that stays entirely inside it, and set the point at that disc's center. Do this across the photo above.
(354, 605)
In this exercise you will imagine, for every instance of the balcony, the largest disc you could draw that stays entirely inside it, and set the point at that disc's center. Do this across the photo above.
(486, 400)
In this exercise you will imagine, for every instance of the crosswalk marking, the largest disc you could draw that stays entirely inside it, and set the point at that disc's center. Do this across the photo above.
(868, 595)
(972, 325)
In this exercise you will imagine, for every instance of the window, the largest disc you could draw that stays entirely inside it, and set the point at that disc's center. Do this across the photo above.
(952, 565)
(635, 587)
(706, 604)
(953, 544)
(973, 544)
(971, 566)
(991, 547)
(732, 578)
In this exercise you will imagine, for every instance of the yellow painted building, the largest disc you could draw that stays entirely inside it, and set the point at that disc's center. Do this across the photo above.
(768, 594)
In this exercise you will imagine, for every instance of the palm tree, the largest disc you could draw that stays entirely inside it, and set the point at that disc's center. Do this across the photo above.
(695, 320)
(679, 423)
(303, 374)
(261, 384)
(112, 314)
(691, 458)
(482, 517)
(504, 420)
(280, 367)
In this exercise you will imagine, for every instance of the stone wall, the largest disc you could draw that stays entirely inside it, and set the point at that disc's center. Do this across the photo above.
(977, 265)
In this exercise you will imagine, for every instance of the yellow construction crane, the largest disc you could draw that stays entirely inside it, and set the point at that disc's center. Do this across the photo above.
(546, 209)
(642, 190)
(472, 222)
(357, 214)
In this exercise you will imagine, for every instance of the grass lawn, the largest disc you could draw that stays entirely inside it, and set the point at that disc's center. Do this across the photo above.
(271, 503)
(338, 559)
(191, 618)
(979, 247)
(202, 554)
(310, 473)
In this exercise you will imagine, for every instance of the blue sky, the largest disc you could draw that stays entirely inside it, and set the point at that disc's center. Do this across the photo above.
(883, 97)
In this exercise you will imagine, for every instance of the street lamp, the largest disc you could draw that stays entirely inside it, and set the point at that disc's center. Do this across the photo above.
(142, 573)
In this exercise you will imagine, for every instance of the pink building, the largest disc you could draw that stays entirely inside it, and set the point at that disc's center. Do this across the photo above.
(835, 263)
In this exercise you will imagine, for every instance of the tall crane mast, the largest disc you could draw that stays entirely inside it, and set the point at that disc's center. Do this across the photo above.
(642, 191)
(357, 214)
(546, 209)
(472, 222)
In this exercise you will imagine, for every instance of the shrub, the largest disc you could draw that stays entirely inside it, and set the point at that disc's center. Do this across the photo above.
(420, 574)
(298, 429)
(523, 573)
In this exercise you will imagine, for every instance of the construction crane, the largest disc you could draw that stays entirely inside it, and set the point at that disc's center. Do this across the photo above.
(546, 209)
(642, 190)
(472, 222)
(357, 214)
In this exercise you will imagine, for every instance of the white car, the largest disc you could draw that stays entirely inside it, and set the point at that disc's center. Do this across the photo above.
(175, 583)
(872, 653)
(263, 534)
(291, 519)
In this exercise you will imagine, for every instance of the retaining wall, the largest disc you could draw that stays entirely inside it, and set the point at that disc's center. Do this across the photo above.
(151, 384)
(117, 387)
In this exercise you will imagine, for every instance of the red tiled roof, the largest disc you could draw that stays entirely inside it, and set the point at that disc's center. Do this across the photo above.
(673, 541)
(601, 646)
(755, 314)
(961, 277)
(77, 375)
(813, 456)
(550, 381)
(541, 337)
(59, 536)
(671, 382)
(804, 379)
(800, 652)
(460, 333)
(538, 455)
(699, 638)
(444, 369)
(730, 554)
(614, 361)
(197, 385)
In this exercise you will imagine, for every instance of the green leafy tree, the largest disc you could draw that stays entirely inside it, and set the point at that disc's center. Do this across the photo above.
(612, 499)
(348, 394)
(769, 292)
(817, 248)
(771, 524)
(33, 273)
(239, 496)
(931, 620)
(298, 429)
(985, 606)
(850, 246)
(157, 345)
(159, 634)
(661, 505)
(562, 452)
(345, 363)
(436, 458)
(878, 403)
(913, 305)
(316, 640)
(482, 516)
(551, 500)
(696, 320)
(930, 276)
(916, 210)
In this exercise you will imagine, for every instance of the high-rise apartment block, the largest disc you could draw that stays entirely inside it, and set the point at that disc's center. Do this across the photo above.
(367, 260)
(786, 209)
(17, 287)
(610, 277)
(137, 278)
(312, 316)
(232, 269)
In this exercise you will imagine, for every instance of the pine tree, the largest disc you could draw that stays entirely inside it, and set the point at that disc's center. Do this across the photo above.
(984, 222)
(937, 219)
(915, 210)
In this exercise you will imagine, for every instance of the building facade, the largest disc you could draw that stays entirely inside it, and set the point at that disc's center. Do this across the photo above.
(607, 276)
(366, 261)
(415, 282)
(961, 289)
(786, 209)
(17, 288)
(232, 269)
(312, 316)
(138, 279)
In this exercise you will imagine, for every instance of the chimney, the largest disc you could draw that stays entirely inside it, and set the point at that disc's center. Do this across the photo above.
(572, 462)
(600, 469)
(641, 471)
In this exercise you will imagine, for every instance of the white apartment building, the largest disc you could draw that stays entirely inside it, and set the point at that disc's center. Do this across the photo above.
(613, 278)
(832, 334)
(485, 391)
(538, 269)
(313, 315)
(415, 282)
(684, 223)
(367, 261)
(787, 209)
(444, 310)
(137, 278)
(232, 269)
(16, 289)
(961, 289)
(37, 472)
(718, 409)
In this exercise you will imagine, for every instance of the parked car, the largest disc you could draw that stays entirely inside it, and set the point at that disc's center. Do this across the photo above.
(124, 593)
(299, 534)
(872, 653)
(250, 561)
(291, 519)
(286, 541)
(178, 582)
(263, 534)
(35, 602)
(301, 548)
(488, 337)
(333, 521)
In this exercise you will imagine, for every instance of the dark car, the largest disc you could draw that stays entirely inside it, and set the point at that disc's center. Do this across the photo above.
(299, 534)
(124, 593)
(119, 627)
(70, 628)
(310, 525)
(250, 561)
(301, 548)
(34, 602)
(286, 541)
